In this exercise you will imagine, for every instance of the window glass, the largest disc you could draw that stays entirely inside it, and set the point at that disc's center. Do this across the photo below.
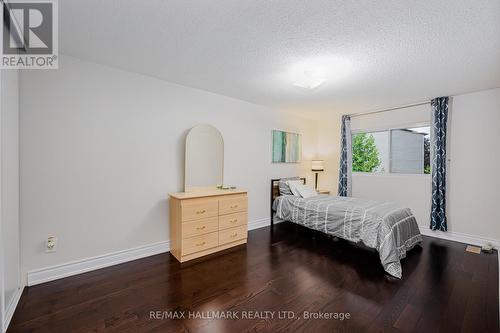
(405, 150)
(410, 150)
(370, 152)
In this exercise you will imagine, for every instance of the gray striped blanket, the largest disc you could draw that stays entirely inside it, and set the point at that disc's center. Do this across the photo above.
(383, 226)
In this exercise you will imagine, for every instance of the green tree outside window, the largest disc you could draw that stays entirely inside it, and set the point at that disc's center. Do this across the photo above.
(365, 157)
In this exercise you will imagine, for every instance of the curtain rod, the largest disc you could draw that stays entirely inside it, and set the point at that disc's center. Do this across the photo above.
(391, 109)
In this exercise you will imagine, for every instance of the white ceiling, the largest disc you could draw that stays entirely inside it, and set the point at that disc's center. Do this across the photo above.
(377, 53)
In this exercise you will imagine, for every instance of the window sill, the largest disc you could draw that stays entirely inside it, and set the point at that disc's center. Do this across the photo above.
(388, 174)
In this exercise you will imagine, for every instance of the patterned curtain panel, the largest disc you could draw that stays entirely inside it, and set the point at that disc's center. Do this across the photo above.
(345, 170)
(439, 122)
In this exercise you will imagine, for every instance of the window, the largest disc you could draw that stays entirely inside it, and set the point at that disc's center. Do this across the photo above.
(405, 150)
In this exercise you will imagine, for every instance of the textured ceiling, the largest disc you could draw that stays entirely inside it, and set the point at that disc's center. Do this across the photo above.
(375, 54)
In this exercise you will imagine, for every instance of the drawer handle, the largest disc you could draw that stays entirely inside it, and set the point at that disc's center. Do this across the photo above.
(201, 244)
(200, 228)
(234, 206)
(234, 235)
(233, 221)
(200, 211)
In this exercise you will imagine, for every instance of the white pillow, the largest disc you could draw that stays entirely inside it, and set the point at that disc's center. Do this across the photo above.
(306, 191)
(292, 184)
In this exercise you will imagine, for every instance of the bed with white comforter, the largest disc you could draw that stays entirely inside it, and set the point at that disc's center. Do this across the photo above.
(384, 226)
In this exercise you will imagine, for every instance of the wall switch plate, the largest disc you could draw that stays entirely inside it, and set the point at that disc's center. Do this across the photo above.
(51, 244)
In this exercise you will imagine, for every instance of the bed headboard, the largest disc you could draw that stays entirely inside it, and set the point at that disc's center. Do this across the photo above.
(275, 192)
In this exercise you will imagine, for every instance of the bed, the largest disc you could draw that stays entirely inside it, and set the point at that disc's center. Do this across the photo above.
(384, 226)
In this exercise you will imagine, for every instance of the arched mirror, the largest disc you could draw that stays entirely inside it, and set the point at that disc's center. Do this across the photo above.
(204, 165)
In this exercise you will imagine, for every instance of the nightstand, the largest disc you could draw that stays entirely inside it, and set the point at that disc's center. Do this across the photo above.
(323, 191)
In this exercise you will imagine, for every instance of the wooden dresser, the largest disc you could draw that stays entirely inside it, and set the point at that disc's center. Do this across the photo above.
(206, 221)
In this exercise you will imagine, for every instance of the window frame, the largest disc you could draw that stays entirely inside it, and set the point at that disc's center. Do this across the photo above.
(388, 129)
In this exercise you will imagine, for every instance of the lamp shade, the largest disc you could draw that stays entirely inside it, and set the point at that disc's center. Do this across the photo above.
(318, 165)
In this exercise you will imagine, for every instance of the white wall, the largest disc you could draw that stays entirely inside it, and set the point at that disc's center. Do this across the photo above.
(329, 149)
(413, 190)
(2, 268)
(400, 118)
(407, 190)
(473, 177)
(10, 230)
(101, 149)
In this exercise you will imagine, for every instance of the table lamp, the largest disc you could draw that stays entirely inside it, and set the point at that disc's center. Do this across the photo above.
(317, 166)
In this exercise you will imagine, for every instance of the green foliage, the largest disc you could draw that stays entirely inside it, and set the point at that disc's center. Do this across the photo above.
(365, 157)
(427, 155)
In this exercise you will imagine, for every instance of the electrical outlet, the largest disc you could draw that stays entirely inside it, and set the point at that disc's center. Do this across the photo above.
(51, 244)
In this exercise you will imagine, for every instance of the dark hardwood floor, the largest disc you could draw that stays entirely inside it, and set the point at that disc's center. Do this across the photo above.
(444, 289)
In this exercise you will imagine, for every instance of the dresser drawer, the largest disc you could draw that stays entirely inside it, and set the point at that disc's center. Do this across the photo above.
(233, 204)
(232, 234)
(200, 227)
(195, 209)
(199, 243)
(232, 220)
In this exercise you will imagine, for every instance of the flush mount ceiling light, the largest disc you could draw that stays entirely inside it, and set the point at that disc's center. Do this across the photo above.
(309, 80)
(312, 73)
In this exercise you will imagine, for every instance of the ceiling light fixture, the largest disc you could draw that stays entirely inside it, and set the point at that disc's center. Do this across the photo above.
(313, 72)
(309, 80)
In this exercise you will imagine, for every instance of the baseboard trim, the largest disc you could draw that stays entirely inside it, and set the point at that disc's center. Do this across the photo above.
(11, 308)
(86, 265)
(459, 237)
(260, 223)
(56, 272)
